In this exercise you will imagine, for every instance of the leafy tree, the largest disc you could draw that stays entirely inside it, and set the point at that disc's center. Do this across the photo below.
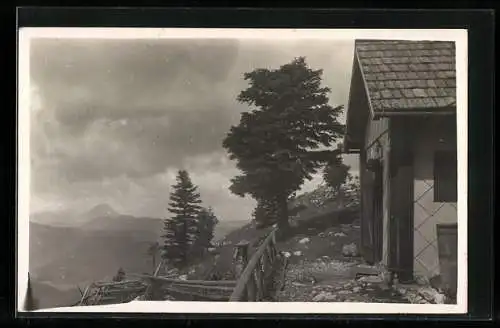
(277, 144)
(181, 230)
(336, 173)
(352, 190)
(265, 213)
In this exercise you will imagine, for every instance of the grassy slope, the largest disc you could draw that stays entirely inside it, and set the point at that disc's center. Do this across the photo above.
(320, 228)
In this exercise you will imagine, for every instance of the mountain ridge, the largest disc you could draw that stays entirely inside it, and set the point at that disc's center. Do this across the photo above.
(95, 248)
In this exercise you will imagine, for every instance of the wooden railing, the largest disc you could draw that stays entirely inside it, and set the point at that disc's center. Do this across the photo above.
(112, 292)
(189, 290)
(257, 279)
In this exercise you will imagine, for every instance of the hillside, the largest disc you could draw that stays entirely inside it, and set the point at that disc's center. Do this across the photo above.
(49, 295)
(310, 213)
(96, 247)
(75, 256)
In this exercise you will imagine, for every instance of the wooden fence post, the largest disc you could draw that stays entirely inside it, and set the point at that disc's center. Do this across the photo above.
(241, 261)
(155, 292)
(240, 257)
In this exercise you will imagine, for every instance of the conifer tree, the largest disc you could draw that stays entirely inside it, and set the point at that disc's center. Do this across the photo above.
(206, 227)
(277, 144)
(181, 229)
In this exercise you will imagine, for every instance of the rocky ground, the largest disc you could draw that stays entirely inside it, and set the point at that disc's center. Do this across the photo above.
(324, 266)
(327, 280)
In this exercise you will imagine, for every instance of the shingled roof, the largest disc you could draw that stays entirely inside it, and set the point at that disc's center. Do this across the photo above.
(408, 75)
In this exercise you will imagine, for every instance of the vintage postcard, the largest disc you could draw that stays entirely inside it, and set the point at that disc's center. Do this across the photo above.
(201, 170)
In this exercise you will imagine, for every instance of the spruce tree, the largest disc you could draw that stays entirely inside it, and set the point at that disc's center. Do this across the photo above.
(277, 145)
(181, 229)
(207, 221)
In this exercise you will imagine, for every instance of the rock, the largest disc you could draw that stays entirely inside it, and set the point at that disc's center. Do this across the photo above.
(371, 279)
(432, 295)
(439, 298)
(365, 270)
(319, 297)
(350, 250)
(297, 253)
(294, 283)
(415, 299)
(344, 292)
(339, 234)
(323, 296)
(422, 280)
(304, 240)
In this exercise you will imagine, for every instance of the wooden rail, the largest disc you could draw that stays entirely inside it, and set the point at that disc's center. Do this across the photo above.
(257, 279)
(190, 289)
(112, 292)
(256, 283)
(149, 290)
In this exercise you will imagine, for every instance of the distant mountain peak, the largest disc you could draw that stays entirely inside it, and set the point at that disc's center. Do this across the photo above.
(101, 210)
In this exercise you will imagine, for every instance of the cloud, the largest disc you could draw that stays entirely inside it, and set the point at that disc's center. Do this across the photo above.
(113, 120)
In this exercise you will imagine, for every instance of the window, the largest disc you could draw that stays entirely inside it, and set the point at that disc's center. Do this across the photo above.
(445, 176)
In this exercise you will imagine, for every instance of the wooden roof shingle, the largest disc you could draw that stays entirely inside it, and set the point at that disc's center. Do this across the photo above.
(408, 75)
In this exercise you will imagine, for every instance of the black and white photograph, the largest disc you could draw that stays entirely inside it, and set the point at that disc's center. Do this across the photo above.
(199, 170)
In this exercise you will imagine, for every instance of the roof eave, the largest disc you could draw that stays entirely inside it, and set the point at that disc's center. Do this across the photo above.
(348, 145)
(449, 110)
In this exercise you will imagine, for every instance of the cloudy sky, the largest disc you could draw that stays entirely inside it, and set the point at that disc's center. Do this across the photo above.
(113, 120)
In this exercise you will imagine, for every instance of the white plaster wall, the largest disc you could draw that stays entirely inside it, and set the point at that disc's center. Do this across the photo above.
(428, 213)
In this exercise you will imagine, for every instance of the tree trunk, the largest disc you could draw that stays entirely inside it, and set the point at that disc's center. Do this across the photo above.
(283, 223)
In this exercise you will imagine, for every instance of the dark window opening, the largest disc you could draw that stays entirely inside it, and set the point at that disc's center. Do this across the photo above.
(445, 176)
